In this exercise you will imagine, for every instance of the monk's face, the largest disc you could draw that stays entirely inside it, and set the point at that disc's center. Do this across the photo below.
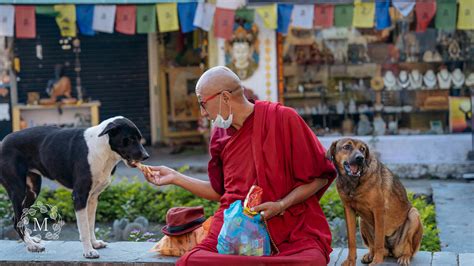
(210, 103)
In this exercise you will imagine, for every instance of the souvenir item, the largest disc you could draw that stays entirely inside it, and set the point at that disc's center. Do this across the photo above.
(340, 107)
(429, 79)
(458, 78)
(377, 83)
(352, 107)
(470, 80)
(364, 127)
(390, 81)
(416, 80)
(444, 79)
(403, 81)
(379, 126)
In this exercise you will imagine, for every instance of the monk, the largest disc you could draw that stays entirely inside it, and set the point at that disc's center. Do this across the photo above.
(269, 145)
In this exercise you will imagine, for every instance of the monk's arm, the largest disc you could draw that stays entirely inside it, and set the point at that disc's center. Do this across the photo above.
(198, 187)
(301, 193)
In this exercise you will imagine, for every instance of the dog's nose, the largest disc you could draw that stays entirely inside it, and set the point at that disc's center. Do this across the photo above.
(145, 156)
(359, 159)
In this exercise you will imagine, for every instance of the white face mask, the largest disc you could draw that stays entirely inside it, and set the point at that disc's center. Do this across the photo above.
(220, 122)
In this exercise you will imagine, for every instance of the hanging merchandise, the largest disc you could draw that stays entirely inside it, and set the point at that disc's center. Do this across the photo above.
(444, 79)
(125, 19)
(416, 80)
(343, 15)
(66, 20)
(364, 14)
(268, 13)
(425, 10)
(446, 15)
(382, 15)
(457, 78)
(224, 23)
(167, 17)
(146, 19)
(466, 15)
(7, 18)
(284, 17)
(204, 16)
(323, 15)
(404, 6)
(104, 18)
(302, 16)
(25, 22)
(186, 13)
(403, 80)
(85, 15)
(429, 79)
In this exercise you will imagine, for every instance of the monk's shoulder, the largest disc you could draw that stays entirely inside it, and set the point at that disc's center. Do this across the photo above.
(288, 114)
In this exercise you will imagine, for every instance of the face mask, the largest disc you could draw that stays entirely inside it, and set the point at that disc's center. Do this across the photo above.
(220, 122)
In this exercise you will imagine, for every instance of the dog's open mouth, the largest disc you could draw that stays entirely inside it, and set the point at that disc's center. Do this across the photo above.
(132, 163)
(352, 169)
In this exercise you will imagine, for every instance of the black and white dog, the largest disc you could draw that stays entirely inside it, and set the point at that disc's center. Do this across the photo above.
(80, 159)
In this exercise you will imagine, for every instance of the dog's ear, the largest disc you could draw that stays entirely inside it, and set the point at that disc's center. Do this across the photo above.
(111, 127)
(331, 152)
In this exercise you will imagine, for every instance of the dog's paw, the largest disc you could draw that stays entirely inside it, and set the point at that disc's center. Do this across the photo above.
(36, 239)
(367, 258)
(376, 262)
(35, 247)
(91, 254)
(404, 260)
(349, 263)
(98, 244)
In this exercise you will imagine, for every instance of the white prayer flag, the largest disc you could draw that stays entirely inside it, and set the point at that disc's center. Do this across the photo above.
(302, 16)
(404, 6)
(226, 4)
(204, 16)
(7, 17)
(104, 18)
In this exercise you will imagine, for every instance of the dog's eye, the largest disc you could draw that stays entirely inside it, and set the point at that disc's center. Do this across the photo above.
(347, 147)
(362, 149)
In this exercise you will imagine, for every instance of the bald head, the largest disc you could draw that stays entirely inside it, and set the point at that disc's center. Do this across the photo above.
(217, 79)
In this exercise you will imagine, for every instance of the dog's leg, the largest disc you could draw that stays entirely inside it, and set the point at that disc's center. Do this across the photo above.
(379, 241)
(91, 210)
(410, 239)
(80, 197)
(33, 187)
(351, 236)
(367, 233)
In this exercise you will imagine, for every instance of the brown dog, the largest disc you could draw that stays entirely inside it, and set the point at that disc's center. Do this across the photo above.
(389, 225)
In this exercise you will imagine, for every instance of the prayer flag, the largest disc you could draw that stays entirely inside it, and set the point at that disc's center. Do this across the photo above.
(284, 17)
(466, 15)
(425, 10)
(84, 15)
(66, 20)
(25, 22)
(125, 20)
(302, 16)
(446, 15)
(186, 12)
(104, 18)
(364, 13)
(224, 23)
(204, 15)
(343, 15)
(167, 17)
(268, 13)
(323, 15)
(382, 14)
(146, 19)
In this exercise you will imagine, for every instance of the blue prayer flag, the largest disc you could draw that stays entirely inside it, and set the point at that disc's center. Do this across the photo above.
(284, 17)
(382, 15)
(186, 13)
(84, 16)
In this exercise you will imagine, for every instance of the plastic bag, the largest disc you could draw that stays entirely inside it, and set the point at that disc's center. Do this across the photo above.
(242, 234)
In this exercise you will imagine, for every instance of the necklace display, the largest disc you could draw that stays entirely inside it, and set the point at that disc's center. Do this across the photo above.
(470, 80)
(416, 80)
(458, 78)
(390, 81)
(429, 79)
(403, 80)
(444, 79)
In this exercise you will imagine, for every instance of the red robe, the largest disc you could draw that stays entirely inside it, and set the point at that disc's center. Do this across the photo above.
(276, 150)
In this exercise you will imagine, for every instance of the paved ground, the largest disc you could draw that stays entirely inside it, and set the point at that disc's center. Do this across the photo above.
(455, 215)
(130, 253)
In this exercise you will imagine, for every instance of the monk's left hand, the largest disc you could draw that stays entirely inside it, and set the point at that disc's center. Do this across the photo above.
(268, 209)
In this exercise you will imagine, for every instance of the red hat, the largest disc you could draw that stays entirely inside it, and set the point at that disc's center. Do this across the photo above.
(182, 220)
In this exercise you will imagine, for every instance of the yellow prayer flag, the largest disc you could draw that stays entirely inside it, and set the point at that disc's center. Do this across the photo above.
(466, 15)
(167, 17)
(268, 13)
(364, 14)
(66, 19)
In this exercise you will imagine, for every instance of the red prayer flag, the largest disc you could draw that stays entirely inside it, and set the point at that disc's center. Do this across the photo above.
(125, 19)
(25, 22)
(425, 11)
(224, 23)
(323, 15)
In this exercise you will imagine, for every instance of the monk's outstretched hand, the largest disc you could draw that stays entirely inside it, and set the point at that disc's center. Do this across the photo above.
(161, 175)
(268, 209)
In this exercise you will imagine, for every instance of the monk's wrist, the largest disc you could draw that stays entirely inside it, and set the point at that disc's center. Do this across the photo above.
(282, 206)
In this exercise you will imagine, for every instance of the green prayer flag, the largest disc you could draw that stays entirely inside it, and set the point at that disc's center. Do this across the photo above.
(343, 15)
(47, 10)
(146, 18)
(246, 14)
(446, 15)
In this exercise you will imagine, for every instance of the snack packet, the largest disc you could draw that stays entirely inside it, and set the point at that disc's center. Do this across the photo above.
(253, 198)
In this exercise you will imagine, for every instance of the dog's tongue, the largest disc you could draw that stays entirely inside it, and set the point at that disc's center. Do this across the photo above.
(354, 168)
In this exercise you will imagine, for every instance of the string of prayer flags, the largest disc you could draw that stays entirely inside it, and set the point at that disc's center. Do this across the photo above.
(204, 16)
(186, 13)
(224, 23)
(364, 13)
(84, 16)
(302, 16)
(425, 10)
(7, 17)
(25, 22)
(167, 17)
(284, 17)
(382, 14)
(146, 19)
(323, 15)
(268, 14)
(404, 6)
(66, 20)
(125, 19)
(343, 15)
(446, 14)
(466, 15)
